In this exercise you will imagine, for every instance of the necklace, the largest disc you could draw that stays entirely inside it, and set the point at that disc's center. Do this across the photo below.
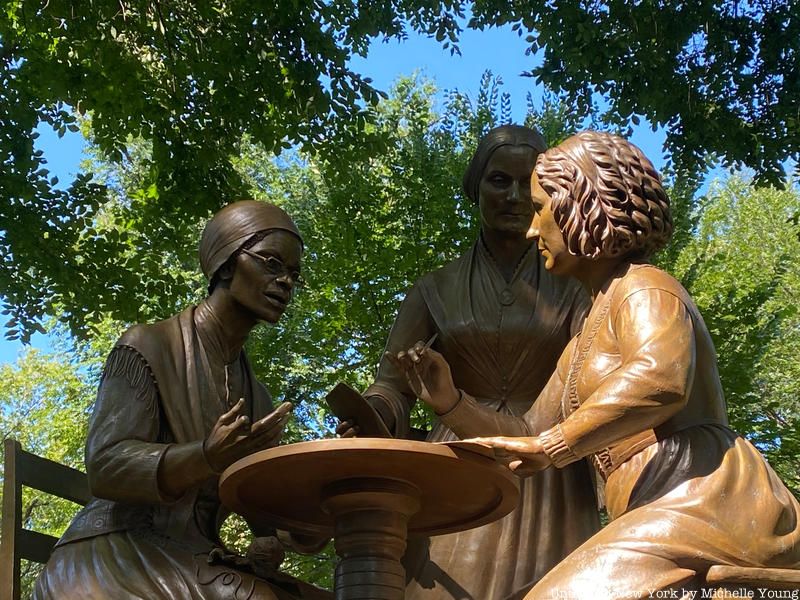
(209, 327)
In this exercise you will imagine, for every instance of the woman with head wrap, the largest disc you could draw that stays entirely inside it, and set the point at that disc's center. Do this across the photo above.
(502, 321)
(177, 404)
(638, 392)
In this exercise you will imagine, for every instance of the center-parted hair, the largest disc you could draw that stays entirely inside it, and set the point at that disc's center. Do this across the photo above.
(607, 198)
(504, 135)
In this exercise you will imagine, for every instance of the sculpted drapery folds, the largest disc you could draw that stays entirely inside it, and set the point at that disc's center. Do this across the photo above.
(502, 320)
(637, 392)
(177, 404)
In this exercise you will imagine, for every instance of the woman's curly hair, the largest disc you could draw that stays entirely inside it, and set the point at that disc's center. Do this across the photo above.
(607, 197)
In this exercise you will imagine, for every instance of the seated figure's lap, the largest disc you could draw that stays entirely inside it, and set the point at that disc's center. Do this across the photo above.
(125, 566)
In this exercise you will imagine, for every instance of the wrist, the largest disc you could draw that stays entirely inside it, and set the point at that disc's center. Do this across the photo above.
(183, 466)
(448, 403)
(212, 466)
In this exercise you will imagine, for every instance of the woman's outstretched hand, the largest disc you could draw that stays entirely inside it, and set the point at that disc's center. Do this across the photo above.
(526, 455)
(429, 376)
(233, 437)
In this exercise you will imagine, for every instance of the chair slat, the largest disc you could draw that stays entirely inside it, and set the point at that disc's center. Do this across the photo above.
(771, 579)
(52, 477)
(25, 469)
(35, 546)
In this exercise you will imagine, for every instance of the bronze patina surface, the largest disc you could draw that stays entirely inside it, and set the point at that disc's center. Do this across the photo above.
(177, 404)
(370, 494)
(502, 321)
(637, 392)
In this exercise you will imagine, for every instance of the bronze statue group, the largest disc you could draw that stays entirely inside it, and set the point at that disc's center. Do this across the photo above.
(557, 342)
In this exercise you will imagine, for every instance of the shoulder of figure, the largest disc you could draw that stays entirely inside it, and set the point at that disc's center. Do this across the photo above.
(446, 272)
(151, 340)
(643, 277)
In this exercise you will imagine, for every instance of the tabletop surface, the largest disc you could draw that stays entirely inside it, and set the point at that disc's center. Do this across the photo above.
(460, 487)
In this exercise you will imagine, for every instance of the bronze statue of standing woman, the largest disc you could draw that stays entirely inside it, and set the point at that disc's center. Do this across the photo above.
(502, 321)
(178, 403)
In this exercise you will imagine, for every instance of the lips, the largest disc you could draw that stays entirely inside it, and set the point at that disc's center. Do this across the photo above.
(276, 299)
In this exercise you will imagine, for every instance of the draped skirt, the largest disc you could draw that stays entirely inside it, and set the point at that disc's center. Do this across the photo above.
(131, 565)
(702, 497)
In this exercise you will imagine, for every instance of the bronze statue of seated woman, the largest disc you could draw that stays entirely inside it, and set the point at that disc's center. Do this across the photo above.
(178, 403)
(637, 391)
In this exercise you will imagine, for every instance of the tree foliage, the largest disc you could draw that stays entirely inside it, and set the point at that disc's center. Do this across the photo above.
(372, 225)
(375, 224)
(188, 77)
(742, 267)
(192, 78)
(44, 401)
(721, 77)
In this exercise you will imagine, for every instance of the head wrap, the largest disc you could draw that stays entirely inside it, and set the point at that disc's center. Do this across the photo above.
(505, 135)
(230, 228)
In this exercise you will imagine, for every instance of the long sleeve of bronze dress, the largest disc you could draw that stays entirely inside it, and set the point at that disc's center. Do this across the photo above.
(127, 444)
(390, 394)
(657, 363)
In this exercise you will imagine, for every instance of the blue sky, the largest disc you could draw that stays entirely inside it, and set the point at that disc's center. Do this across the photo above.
(497, 49)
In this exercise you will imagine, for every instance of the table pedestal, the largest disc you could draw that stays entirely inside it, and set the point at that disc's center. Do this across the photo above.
(370, 529)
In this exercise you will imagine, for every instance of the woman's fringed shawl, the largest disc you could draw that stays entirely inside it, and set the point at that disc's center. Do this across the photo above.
(175, 354)
(125, 361)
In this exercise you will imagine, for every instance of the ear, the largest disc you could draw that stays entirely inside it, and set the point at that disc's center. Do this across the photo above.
(225, 272)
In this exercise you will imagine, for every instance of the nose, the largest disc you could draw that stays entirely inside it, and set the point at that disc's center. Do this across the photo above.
(533, 230)
(515, 193)
(286, 281)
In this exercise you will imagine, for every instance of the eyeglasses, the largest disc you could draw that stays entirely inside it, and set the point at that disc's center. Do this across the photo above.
(276, 268)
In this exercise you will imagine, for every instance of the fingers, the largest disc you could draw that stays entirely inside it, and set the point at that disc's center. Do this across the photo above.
(241, 422)
(405, 359)
(399, 360)
(392, 358)
(350, 433)
(231, 416)
(416, 351)
(275, 420)
(522, 468)
(510, 444)
(347, 429)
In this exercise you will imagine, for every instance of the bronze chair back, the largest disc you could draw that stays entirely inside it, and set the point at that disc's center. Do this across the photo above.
(25, 469)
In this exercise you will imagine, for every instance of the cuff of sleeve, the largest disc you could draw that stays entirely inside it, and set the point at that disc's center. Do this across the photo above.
(556, 448)
(459, 418)
(189, 467)
(461, 395)
(198, 449)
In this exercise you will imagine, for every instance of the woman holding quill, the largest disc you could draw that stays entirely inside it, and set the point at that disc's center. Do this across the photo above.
(500, 320)
(637, 392)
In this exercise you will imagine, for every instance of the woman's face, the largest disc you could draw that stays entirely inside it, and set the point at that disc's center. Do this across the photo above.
(262, 286)
(504, 191)
(548, 236)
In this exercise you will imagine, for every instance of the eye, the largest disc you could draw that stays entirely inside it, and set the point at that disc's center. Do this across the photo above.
(499, 179)
(273, 264)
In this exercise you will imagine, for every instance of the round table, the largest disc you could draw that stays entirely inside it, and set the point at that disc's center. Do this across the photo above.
(369, 494)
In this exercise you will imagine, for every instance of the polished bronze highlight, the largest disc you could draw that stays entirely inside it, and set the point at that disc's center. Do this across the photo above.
(607, 197)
